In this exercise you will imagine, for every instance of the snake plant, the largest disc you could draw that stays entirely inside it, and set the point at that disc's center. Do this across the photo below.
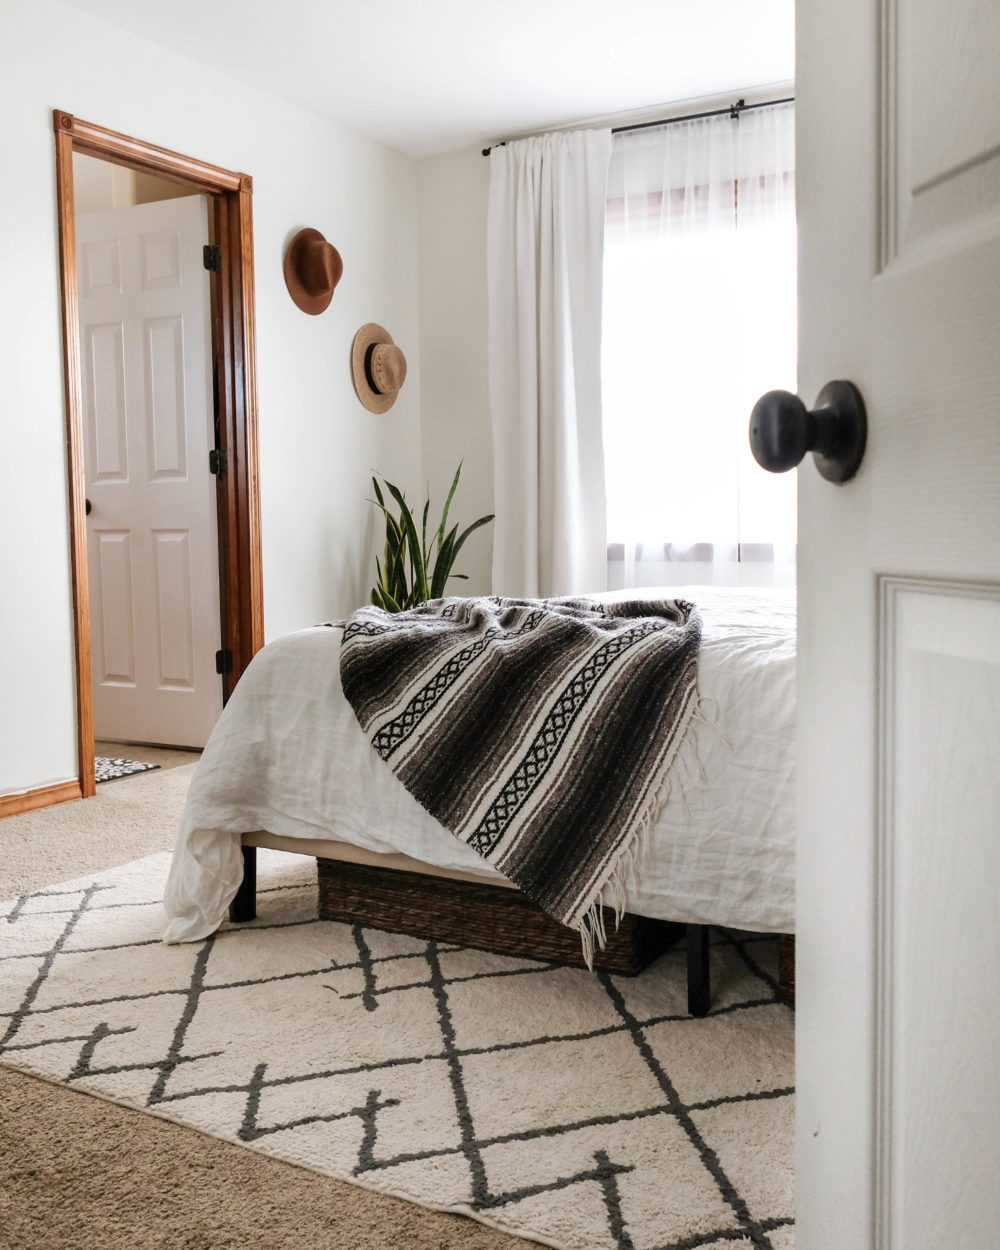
(410, 570)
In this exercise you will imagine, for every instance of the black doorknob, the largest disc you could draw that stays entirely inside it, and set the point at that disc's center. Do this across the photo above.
(782, 430)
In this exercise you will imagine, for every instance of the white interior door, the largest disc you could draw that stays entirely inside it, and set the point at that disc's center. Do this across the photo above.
(145, 333)
(898, 976)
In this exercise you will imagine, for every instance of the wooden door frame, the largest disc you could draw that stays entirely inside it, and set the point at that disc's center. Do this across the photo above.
(241, 599)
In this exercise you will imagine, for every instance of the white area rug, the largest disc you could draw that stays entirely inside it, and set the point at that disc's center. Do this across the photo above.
(584, 1112)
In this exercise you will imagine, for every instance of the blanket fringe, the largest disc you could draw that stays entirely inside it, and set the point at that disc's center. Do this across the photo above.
(712, 721)
(613, 894)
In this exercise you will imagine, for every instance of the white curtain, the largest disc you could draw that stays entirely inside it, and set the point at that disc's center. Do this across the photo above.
(699, 320)
(545, 242)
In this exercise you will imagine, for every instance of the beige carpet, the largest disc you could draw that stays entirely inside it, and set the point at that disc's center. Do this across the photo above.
(79, 1173)
(125, 820)
(588, 1113)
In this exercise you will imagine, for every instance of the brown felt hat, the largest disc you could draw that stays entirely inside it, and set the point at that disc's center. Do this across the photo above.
(312, 269)
(378, 367)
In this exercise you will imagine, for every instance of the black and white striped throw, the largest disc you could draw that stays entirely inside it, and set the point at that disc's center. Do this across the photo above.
(540, 732)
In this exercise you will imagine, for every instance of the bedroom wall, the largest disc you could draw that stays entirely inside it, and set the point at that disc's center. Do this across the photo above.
(317, 443)
(99, 185)
(454, 387)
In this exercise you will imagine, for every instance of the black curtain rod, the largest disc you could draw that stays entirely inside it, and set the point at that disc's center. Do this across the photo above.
(733, 110)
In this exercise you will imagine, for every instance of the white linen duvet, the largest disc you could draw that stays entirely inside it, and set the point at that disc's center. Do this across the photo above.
(289, 757)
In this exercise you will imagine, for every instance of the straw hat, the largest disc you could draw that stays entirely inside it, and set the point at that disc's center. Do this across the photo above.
(378, 366)
(312, 269)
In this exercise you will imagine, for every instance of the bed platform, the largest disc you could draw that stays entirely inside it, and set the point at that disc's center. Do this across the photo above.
(418, 901)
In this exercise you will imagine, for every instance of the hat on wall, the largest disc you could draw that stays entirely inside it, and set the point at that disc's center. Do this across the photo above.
(312, 269)
(378, 367)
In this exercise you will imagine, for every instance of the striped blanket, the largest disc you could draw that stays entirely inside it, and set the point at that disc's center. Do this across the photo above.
(540, 732)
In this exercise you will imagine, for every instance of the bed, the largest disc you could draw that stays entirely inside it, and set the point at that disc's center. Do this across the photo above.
(288, 767)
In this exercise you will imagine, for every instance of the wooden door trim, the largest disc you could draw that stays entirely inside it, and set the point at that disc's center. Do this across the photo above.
(111, 145)
(44, 796)
(241, 596)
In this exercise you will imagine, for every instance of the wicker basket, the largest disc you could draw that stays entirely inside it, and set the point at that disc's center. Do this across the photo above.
(490, 917)
(786, 969)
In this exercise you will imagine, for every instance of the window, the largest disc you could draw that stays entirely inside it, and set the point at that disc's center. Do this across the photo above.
(698, 321)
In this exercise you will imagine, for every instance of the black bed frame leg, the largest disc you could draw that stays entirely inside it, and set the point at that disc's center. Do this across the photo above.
(699, 991)
(244, 905)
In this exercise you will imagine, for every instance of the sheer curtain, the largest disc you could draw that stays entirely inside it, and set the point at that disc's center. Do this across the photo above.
(699, 320)
(545, 241)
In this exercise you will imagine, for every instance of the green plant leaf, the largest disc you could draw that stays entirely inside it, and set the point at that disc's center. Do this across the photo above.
(447, 505)
(483, 520)
(406, 521)
(398, 586)
(442, 565)
(383, 600)
(394, 535)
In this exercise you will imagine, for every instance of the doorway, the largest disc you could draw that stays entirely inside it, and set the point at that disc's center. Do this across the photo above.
(139, 644)
(147, 354)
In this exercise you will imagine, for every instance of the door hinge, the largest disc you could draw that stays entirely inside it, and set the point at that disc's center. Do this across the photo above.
(212, 257)
(218, 462)
(224, 661)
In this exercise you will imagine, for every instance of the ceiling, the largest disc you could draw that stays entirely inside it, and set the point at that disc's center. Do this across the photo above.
(430, 76)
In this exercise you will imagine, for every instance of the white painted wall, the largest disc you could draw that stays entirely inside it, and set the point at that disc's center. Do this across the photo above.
(98, 185)
(454, 386)
(317, 443)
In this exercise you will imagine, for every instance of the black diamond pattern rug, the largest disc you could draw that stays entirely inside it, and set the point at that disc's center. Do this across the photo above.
(108, 769)
(581, 1111)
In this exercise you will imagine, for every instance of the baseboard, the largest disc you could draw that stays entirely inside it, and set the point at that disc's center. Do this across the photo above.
(44, 796)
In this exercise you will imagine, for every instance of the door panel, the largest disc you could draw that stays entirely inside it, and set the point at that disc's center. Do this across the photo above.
(939, 1011)
(144, 311)
(113, 608)
(175, 618)
(164, 370)
(104, 365)
(899, 629)
(942, 165)
(160, 259)
(99, 262)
